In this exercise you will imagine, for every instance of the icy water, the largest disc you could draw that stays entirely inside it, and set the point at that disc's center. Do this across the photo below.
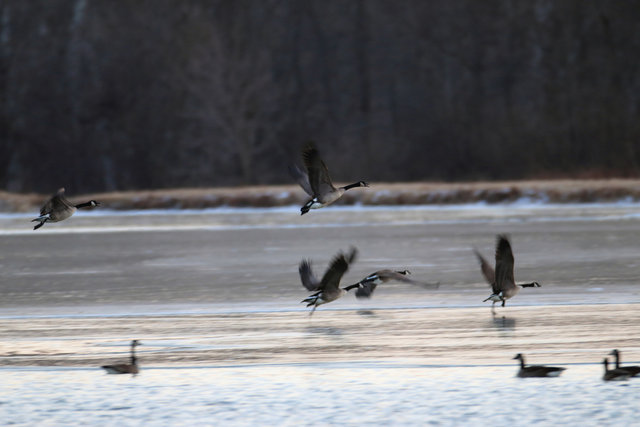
(214, 298)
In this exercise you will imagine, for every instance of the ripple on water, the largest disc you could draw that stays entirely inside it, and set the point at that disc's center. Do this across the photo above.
(319, 394)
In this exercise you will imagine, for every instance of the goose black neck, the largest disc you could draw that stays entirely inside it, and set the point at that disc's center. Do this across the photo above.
(528, 285)
(354, 185)
(617, 356)
(133, 354)
(83, 205)
(522, 362)
(348, 288)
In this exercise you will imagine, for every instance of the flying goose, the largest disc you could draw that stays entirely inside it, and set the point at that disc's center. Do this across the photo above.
(58, 208)
(614, 374)
(328, 289)
(537, 370)
(316, 181)
(124, 368)
(369, 283)
(633, 370)
(501, 279)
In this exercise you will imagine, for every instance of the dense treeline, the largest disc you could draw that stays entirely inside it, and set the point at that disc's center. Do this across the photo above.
(102, 95)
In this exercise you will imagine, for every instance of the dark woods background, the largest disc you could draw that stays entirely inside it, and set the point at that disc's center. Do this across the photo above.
(103, 95)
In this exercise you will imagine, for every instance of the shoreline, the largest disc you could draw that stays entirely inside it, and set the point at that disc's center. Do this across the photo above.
(392, 194)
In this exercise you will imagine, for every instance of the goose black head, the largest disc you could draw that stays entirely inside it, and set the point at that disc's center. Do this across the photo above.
(405, 272)
(93, 203)
(518, 356)
(363, 184)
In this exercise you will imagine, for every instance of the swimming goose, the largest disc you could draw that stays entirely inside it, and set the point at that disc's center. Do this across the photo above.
(501, 279)
(633, 370)
(614, 374)
(328, 289)
(369, 283)
(316, 181)
(58, 208)
(124, 368)
(537, 370)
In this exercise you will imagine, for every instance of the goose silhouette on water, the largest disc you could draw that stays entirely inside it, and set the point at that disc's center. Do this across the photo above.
(328, 289)
(537, 370)
(316, 181)
(58, 208)
(633, 370)
(614, 374)
(369, 283)
(501, 279)
(125, 368)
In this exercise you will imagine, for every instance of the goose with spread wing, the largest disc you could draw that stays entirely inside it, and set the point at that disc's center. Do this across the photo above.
(328, 288)
(369, 283)
(501, 279)
(316, 182)
(58, 208)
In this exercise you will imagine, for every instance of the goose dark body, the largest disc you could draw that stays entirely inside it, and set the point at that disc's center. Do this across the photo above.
(369, 283)
(328, 289)
(537, 371)
(616, 374)
(632, 370)
(316, 181)
(58, 208)
(125, 368)
(502, 281)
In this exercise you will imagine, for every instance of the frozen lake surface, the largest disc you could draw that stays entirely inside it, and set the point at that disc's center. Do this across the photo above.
(214, 297)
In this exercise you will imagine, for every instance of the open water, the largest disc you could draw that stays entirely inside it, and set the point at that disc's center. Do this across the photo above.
(214, 298)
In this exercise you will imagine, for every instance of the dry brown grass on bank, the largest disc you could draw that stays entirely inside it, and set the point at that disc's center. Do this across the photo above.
(560, 191)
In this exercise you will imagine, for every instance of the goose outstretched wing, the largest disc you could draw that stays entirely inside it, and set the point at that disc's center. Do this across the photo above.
(56, 202)
(307, 277)
(339, 265)
(319, 179)
(504, 264)
(487, 271)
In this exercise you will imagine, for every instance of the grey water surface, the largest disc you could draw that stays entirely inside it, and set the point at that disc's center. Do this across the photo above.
(214, 298)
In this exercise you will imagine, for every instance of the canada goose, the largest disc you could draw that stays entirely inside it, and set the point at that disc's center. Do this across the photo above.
(537, 370)
(502, 281)
(328, 289)
(614, 374)
(316, 181)
(124, 368)
(58, 208)
(633, 370)
(369, 283)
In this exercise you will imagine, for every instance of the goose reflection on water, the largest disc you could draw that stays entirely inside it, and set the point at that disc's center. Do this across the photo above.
(503, 323)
